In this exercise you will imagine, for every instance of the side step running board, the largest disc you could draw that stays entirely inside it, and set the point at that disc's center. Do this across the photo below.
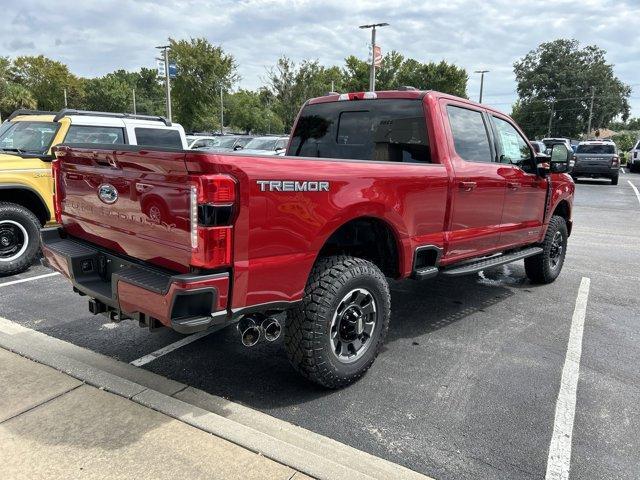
(479, 265)
(425, 273)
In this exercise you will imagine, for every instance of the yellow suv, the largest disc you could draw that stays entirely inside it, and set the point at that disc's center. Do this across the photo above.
(26, 185)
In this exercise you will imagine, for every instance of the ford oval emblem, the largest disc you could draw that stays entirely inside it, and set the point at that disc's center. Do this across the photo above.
(107, 193)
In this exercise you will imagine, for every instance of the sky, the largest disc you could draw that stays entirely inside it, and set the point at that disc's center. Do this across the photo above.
(94, 37)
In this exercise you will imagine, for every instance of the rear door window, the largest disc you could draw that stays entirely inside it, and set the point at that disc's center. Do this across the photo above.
(387, 130)
(470, 136)
(94, 134)
(158, 137)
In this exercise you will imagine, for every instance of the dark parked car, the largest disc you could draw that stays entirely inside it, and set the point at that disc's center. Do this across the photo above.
(596, 159)
(538, 146)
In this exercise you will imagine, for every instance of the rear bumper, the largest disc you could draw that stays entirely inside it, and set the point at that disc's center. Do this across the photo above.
(124, 288)
(594, 171)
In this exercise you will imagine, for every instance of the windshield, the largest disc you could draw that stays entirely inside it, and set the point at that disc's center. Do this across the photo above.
(262, 144)
(225, 142)
(27, 137)
(597, 149)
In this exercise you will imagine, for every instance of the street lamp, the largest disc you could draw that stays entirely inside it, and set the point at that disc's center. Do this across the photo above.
(372, 75)
(481, 72)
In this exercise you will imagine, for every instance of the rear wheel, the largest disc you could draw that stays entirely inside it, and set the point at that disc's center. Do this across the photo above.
(614, 180)
(545, 267)
(335, 333)
(19, 238)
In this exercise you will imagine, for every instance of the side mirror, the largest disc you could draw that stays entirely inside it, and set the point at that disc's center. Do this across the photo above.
(560, 156)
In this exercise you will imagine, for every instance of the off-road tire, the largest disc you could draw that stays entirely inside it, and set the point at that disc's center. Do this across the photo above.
(10, 212)
(307, 333)
(614, 180)
(539, 268)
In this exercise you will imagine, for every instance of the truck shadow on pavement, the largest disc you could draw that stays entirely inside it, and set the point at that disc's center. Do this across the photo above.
(261, 377)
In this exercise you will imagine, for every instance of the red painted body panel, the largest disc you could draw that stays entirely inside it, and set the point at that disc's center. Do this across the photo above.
(278, 235)
(150, 219)
(133, 298)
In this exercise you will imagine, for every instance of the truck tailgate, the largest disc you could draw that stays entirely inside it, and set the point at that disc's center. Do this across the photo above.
(132, 202)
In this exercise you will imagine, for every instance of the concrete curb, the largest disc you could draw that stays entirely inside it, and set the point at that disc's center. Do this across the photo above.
(300, 449)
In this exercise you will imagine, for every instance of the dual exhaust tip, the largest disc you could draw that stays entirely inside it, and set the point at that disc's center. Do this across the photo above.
(254, 328)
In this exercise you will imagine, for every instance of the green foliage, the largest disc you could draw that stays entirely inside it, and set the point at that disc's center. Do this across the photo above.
(559, 75)
(47, 79)
(631, 124)
(12, 95)
(114, 92)
(249, 112)
(291, 85)
(203, 69)
(626, 140)
(396, 71)
(110, 93)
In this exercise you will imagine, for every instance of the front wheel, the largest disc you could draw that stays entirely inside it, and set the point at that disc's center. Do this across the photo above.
(546, 266)
(334, 335)
(19, 238)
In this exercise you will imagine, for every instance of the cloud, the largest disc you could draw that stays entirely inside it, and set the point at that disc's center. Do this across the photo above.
(98, 36)
(16, 45)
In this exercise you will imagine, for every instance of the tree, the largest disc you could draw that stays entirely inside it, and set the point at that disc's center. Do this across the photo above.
(396, 70)
(12, 95)
(47, 79)
(556, 81)
(203, 70)
(630, 124)
(248, 113)
(291, 85)
(110, 93)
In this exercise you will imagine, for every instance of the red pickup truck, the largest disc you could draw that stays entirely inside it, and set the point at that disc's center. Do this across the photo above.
(389, 184)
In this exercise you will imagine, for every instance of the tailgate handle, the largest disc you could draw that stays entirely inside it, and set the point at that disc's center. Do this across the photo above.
(109, 161)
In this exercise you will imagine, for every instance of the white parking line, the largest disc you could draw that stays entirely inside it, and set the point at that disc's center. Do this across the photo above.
(559, 459)
(22, 280)
(170, 348)
(635, 189)
(622, 170)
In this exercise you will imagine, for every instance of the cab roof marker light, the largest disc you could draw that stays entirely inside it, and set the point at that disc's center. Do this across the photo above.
(370, 95)
(343, 96)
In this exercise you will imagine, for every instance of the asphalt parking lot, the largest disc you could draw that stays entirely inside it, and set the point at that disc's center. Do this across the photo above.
(469, 379)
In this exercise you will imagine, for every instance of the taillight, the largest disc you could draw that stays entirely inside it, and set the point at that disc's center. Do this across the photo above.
(615, 161)
(57, 190)
(212, 209)
(572, 162)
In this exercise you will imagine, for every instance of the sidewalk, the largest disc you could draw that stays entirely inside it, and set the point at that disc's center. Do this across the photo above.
(55, 426)
(69, 412)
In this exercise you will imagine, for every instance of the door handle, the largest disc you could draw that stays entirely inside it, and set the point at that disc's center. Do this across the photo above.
(467, 186)
(513, 185)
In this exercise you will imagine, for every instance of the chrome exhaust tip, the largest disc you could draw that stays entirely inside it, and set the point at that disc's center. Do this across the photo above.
(271, 328)
(249, 331)
(251, 336)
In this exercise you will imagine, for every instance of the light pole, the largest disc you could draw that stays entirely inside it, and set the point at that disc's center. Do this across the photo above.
(221, 112)
(167, 84)
(481, 72)
(372, 75)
